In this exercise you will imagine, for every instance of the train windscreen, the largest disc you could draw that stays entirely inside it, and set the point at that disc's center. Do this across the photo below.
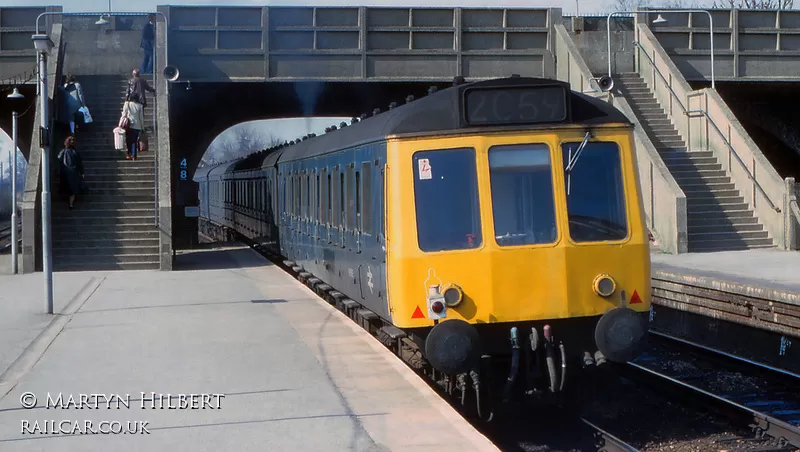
(595, 192)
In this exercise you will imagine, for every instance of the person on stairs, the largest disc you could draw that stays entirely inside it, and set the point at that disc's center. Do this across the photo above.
(71, 166)
(137, 86)
(148, 44)
(71, 102)
(132, 111)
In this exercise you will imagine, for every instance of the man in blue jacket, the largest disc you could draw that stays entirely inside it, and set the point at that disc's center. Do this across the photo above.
(148, 44)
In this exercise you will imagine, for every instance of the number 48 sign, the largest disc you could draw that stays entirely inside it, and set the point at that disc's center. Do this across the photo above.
(183, 172)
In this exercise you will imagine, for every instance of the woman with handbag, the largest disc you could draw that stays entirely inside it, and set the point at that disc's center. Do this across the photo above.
(132, 121)
(71, 103)
(72, 180)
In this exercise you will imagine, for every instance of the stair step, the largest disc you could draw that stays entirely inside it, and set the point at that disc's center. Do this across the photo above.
(710, 194)
(694, 208)
(62, 241)
(694, 175)
(678, 160)
(700, 216)
(99, 261)
(721, 201)
(79, 211)
(111, 266)
(113, 230)
(729, 235)
(689, 166)
(730, 245)
(723, 228)
(115, 248)
(109, 221)
(122, 164)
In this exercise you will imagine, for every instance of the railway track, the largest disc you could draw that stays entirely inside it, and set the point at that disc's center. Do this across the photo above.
(768, 397)
(5, 235)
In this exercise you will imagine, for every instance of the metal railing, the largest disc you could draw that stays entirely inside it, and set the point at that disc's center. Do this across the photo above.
(699, 113)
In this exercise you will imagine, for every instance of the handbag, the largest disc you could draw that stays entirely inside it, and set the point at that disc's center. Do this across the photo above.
(143, 142)
(87, 117)
(124, 122)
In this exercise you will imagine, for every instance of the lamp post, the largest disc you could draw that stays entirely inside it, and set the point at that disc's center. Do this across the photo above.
(14, 127)
(660, 20)
(43, 46)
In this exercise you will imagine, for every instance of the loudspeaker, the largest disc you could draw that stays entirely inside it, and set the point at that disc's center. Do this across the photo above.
(171, 73)
(605, 83)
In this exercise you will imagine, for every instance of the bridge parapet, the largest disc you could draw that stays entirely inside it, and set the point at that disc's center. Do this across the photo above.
(705, 122)
(748, 44)
(216, 44)
(17, 25)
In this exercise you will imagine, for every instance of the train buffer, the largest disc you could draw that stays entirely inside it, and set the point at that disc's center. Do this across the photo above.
(255, 337)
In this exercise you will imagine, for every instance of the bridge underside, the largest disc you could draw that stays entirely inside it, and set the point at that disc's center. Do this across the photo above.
(198, 115)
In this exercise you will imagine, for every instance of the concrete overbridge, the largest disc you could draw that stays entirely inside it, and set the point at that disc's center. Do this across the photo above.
(236, 64)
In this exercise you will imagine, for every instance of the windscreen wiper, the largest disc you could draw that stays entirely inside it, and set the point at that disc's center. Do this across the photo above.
(573, 159)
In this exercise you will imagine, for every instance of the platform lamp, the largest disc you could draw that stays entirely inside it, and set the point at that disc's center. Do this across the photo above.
(44, 45)
(15, 96)
(103, 20)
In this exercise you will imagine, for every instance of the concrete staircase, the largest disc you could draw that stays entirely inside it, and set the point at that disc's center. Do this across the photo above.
(113, 226)
(718, 218)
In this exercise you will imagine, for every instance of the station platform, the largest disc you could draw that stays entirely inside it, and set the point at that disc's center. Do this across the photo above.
(760, 273)
(295, 373)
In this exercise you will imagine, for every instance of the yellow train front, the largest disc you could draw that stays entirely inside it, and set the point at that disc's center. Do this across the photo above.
(522, 232)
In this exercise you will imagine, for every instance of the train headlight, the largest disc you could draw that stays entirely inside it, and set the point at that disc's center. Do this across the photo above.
(453, 295)
(604, 285)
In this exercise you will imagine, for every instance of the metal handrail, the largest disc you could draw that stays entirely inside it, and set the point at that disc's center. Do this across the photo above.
(711, 121)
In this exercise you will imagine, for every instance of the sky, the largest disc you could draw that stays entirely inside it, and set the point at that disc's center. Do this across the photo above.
(568, 6)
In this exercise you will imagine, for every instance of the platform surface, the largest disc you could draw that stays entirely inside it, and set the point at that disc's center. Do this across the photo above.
(296, 374)
(770, 269)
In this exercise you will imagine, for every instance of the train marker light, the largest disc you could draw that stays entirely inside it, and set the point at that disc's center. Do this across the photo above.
(453, 295)
(604, 285)
(635, 298)
(436, 307)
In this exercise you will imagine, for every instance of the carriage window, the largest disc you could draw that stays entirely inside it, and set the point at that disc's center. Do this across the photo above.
(366, 197)
(336, 206)
(446, 194)
(342, 202)
(358, 201)
(326, 196)
(595, 198)
(521, 180)
(349, 214)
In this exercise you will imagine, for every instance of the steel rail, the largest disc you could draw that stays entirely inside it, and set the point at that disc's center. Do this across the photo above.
(606, 442)
(781, 430)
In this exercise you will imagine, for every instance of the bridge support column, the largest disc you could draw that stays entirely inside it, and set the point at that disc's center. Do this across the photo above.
(164, 157)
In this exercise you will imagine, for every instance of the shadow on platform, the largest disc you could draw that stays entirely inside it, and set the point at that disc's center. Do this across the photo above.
(218, 256)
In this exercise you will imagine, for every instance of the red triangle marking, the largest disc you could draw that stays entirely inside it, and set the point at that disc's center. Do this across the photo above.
(635, 298)
(418, 314)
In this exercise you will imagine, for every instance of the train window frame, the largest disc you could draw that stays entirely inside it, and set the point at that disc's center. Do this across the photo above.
(422, 211)
(366, 198)
(532, 146)
(623, 189)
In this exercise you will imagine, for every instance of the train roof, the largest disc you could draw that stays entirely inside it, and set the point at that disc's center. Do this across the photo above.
(202, 172)
(222, 168)
(445, 110)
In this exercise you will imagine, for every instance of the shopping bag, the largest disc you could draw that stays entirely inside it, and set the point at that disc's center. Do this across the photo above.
(87, 117)
(119, 139)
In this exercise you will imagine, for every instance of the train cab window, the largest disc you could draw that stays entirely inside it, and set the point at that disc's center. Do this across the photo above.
(523, 207)
(365, 207)
(446, 198)
(595, 192)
